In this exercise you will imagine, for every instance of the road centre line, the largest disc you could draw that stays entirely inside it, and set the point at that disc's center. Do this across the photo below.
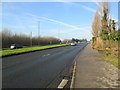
(46, 55)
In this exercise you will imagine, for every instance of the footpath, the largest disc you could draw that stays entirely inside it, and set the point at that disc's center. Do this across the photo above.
(94, 72)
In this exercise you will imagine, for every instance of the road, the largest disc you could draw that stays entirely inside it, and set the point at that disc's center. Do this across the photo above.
(37, 69)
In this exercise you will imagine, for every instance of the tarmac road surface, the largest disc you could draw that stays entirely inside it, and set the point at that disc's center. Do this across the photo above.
(37, 69)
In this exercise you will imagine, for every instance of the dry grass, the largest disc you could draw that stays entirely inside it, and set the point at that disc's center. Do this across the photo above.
(112, 60)
(110, 52)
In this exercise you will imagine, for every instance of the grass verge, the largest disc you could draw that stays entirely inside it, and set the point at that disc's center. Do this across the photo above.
(23, 50)
(112, 60)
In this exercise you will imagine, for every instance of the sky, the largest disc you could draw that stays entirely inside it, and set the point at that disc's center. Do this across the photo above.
(64, 20)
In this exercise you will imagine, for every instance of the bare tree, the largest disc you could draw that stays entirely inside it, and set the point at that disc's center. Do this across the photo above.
(105, 16)
(96, 25)
(9, 38)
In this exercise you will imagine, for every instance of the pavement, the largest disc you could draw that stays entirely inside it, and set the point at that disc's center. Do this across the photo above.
(94, 72)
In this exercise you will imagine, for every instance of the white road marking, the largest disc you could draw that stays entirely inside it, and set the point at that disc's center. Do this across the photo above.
(73, 76)
(63, 83)
(46, 55)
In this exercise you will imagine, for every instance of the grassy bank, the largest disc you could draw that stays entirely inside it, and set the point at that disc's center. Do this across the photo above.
(112, 60)
(22, 50)
(110, 55)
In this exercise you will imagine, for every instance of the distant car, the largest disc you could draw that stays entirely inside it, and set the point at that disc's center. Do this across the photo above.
(61, 43)
(73, 43)
(15, 46)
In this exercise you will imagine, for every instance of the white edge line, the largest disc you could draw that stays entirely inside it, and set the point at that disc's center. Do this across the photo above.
(73, 76)
(64, 81)
(62, 84)
(74, 70)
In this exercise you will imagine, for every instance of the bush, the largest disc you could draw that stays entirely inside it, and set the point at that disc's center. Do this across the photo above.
(104, 35)
(111, 36)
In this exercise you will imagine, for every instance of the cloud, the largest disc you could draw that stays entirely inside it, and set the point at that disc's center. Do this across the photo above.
(88, 8)
(57, 0)
(52, 20)
(71, 28)
(13, 27)
(62, 23)
(80, 5)
(83, 25)
(82, 29)
(77, 5)
(32, 25)
(69, 33)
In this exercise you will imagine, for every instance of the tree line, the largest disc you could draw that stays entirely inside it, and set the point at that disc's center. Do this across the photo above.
(104, 27)
(9, 38)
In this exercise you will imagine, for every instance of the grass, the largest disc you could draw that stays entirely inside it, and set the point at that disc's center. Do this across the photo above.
(28, 49)
(112, 60)
(105, 48)
(110, 53)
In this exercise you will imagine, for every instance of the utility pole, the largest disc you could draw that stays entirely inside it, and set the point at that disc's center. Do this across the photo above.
(59, 34)
(38, 32)
(31, 39)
